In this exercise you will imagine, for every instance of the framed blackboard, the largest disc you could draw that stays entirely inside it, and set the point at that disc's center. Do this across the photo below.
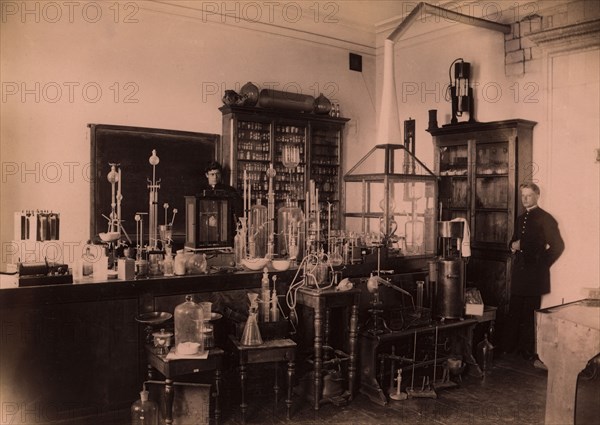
(182, 155)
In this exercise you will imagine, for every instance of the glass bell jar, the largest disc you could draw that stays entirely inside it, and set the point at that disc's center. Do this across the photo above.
(189, 333)
(395, 201)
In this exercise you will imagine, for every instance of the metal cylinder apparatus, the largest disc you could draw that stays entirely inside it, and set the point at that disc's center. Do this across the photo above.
(450, 296)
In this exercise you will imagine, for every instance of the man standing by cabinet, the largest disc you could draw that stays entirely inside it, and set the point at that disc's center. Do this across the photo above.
(536, 244)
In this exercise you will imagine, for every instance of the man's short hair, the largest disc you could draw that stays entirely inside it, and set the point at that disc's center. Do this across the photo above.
(213, 165)
(530, 185)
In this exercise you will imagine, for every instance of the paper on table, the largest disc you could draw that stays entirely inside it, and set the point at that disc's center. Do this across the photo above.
(174, 356)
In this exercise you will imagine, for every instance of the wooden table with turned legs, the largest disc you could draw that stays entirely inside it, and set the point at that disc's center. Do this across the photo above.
(322, 301)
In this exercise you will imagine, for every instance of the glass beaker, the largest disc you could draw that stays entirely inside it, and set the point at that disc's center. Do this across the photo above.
(209, 335)
(166, 233)
(206, 309)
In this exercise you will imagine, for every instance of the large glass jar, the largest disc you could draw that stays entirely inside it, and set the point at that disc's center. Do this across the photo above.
(189, 335)
(290, 231)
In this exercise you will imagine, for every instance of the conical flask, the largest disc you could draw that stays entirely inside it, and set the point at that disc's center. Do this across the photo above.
(251, 335)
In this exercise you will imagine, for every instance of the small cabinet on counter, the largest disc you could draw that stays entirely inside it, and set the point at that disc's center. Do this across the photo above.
(480, 166)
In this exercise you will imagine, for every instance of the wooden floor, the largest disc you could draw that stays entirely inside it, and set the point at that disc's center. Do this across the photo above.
(512, 392)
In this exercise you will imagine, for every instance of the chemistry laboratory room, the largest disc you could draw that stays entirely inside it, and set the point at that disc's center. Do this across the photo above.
(316, 212)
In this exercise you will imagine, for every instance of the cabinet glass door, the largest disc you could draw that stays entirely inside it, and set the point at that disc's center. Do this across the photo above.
(491, 192)
(491, 226)
(290, 162)
(253, 155)
(324, 170)
(454, 182)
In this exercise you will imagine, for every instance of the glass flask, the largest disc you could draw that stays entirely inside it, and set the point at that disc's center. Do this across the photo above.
(259, 228)
(290, 234)
(485, 354)
(251, 335)
(196, 264)
(189, 323)
(144, 411)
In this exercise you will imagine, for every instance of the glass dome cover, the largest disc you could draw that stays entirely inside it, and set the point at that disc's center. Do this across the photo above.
(189, 335)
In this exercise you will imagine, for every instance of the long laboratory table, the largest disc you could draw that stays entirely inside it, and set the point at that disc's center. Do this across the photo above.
(568, 336)
(75, 350)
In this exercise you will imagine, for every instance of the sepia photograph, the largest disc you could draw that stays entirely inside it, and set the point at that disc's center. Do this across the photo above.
(342, 212)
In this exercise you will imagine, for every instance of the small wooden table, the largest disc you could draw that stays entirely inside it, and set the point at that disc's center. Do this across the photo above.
(172, 368)
(273, 351)
(322, 301)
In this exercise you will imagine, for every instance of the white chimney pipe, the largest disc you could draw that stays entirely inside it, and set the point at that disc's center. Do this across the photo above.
(388, 129)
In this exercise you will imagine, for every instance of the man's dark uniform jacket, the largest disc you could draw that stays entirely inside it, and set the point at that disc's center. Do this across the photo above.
(541, 245)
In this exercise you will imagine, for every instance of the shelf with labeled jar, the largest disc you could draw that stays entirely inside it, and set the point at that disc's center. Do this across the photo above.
(480, 167)
(301, 147)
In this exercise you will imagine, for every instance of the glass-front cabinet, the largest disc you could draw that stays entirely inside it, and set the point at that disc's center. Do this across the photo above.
(390, 200)
(480, 167)
(300, 147)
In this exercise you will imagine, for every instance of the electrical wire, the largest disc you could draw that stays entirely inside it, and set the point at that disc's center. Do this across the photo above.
(310, 275)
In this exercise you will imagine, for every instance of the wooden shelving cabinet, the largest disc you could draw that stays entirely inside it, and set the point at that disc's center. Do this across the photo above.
(480, 167)
(254, 138)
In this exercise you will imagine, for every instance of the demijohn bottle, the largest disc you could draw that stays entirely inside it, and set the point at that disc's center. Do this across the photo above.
(485, 354)
(144, 411)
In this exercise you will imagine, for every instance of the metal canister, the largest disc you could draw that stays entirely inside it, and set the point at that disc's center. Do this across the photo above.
(450, 229)
(276, 99)
(450, 296)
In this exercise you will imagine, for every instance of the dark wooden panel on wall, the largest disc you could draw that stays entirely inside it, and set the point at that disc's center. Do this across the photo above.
(183, 156)
(62, 361)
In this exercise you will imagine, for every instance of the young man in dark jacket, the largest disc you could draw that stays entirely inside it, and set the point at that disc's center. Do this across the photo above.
(536, 244)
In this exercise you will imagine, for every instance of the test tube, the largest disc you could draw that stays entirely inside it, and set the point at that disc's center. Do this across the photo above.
(420, 285)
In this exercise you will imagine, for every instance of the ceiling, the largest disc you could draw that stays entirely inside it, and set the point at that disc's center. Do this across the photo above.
(367, 13)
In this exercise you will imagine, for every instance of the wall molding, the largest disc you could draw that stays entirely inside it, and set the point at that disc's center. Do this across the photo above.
(570, 37)
(346, 37)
